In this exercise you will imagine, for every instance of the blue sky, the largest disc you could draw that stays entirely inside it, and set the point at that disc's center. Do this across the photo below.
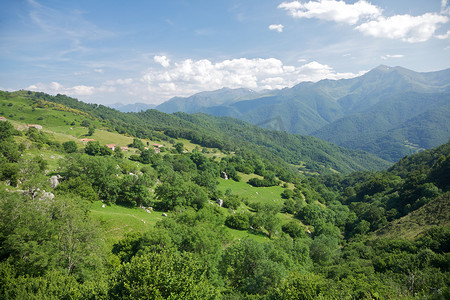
(149, 51)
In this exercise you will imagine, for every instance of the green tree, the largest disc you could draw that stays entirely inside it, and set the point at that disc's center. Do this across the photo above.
(306, 286)
(134, 190)
(93, 148)
(70, 146)
(164, 275)
(179, 147)
(91, 130)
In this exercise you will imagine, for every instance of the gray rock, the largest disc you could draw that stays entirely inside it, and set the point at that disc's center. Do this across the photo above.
(54, 180)
(220, 202)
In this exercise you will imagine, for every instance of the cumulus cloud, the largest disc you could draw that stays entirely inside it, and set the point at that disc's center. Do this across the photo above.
(443, 36)
(387, 56)
(187, 77)
(444, 8)
(162, 60)
(407, 28)
(276, 27)
(368, 19)
(332, 10)
(57, 88)
(82, 91)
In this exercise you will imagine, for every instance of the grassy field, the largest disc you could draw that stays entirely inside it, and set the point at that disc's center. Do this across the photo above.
(255, 194)
(119, 220)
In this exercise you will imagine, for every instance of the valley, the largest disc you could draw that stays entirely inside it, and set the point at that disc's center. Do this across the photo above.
(209, 207)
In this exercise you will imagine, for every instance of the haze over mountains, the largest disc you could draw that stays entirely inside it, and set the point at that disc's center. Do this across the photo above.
(389, 111)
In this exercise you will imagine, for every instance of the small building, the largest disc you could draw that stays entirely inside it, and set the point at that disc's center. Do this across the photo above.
(87, 140)
(158, 145)
(157, 150)
(2, 119)
(111, 146)
(35, 126)
(124, 148)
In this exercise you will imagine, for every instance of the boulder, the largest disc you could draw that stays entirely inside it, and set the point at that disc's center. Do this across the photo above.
(54, 181)
(220, 202)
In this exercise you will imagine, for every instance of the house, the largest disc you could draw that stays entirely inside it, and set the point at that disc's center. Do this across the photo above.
(124, 148)
(35, 126)
(111, 146)
(87, 140)
(157, 150)
(2, 119)
(158, 145)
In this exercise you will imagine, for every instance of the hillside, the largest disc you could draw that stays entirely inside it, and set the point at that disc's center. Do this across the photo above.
(433, 214)
(354, 113)
(309, 154)
(205, 222)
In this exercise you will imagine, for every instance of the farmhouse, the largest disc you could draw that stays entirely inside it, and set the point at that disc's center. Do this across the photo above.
(124, 148)
(87, 140)
(35, 126)
(111, 146)
(2, 119)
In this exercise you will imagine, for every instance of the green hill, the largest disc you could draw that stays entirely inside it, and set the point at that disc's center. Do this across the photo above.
(314, 155)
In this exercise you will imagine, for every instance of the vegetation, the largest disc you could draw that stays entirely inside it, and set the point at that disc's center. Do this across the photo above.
(85, 222)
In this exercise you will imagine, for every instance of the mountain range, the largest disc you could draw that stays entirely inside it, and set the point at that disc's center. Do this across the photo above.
(135, 107)
(389, 111)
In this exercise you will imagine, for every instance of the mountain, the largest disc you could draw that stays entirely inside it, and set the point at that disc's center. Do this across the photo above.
(200, 101)
(135, 107)
(383, 105)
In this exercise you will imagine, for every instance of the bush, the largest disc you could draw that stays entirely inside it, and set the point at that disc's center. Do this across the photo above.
(70, 146)
(238, 221)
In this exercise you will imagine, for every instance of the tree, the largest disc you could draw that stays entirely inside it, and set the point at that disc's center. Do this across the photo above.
(91, 130)
(70, 146)
(134, 190)
(247, 266)
(294, 229)
(179, 147)
(52, 234)
(164, 275)
(307, 286)
(93, 148)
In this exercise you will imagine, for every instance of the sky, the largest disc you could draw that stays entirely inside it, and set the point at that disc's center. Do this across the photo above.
(150, 51)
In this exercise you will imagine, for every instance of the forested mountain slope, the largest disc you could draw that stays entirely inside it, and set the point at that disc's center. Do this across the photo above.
(354, 113)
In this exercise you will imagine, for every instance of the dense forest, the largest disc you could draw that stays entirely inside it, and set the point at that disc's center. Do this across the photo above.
(351, 233)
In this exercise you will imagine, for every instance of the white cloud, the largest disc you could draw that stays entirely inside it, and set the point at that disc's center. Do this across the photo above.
(332, 10)
(407, 28)
(99, 70)
(162, 60)
(444, 8)
(443, 36)
(57, 88)
(276, 27)
(387, 56)
(187, 77)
